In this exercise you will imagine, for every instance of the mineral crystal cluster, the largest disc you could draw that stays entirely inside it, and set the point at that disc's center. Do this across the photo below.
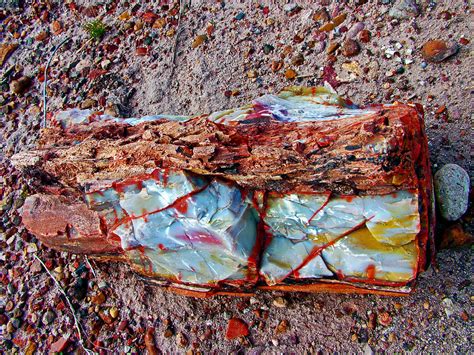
(301, 191)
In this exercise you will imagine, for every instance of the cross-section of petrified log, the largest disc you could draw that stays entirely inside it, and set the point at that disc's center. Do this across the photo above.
(300, 191)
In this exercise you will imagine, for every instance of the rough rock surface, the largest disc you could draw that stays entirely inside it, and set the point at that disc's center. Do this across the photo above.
(282, 192)
(452, 191)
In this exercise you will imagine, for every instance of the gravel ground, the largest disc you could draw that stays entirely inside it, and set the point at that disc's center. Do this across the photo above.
(227, 54)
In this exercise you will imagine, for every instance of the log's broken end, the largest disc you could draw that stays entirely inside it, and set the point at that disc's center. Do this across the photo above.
(66, 226)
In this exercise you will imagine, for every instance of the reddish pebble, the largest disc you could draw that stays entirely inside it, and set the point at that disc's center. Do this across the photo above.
(445, 15)
(104, 315)
(141, 51)
(298, 39)
(236, 328)
(437, 51)
(464, 41)
(150, 342)
(455, 236)
(384, 319)
(123, 325)
(330, 76)
(56, 27)
(364, 36)
(110, 48)
(41, 36)
(95, 73)
(350, 48)
(149, 17)
(441, 109)
(290, 74)
(59, 345)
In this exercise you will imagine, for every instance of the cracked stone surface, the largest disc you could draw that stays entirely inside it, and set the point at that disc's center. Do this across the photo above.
(347, 201)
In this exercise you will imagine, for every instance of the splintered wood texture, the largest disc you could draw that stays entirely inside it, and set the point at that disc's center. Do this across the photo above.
(371, 154)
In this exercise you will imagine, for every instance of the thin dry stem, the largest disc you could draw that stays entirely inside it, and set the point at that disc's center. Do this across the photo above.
(76, 321)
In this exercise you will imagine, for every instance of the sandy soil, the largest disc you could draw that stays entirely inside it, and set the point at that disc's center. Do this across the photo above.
(219, 73)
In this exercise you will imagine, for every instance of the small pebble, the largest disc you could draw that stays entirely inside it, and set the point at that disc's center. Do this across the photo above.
(298, 59)
(181, 340)
(280, 302)
(20, 85)
(240, 16)
(114, 312)
(404, 9)
(267, 48)
(236, 328)
(350, 48)
(290, 7)
(290, 74)
(452, 191)
(384, 319)
(448, 306)
(282, 327)
(59, 345)
(436, 51)
(355, 29)
(88, 103)
(400, 70)
(48, 317)
(252, 74)
(364, 36)
(198, 41)
(332, 47)
(10, 327)
(455, 236)
(168, 333)
(276, 65)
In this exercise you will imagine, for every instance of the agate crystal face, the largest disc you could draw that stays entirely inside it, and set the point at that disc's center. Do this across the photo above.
(298, 191)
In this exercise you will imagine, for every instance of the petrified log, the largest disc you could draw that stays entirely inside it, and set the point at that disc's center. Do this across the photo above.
(301, 191)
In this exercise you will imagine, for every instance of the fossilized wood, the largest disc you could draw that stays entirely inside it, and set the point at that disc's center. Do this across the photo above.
(306, 143)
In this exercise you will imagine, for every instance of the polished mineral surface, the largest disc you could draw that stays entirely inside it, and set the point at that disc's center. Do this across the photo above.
(296, 188)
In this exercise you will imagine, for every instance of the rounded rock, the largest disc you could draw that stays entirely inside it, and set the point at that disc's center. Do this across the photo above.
(404, 9)
(452, 191)
(436, 50)
(48, 317)
(355, 29)
(350, 48)
(280, 302)
(20, 85)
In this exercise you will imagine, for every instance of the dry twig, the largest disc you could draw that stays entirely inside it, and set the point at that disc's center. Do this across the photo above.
(76, 321)
(175, 46)
(90, 266)
(45, 83)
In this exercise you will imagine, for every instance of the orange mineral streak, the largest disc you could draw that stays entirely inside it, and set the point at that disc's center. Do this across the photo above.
(180, 205)
(320, 208)
(318, 249)
(371, 272)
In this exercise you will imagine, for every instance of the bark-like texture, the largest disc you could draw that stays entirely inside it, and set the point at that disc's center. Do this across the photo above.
(305, 142)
